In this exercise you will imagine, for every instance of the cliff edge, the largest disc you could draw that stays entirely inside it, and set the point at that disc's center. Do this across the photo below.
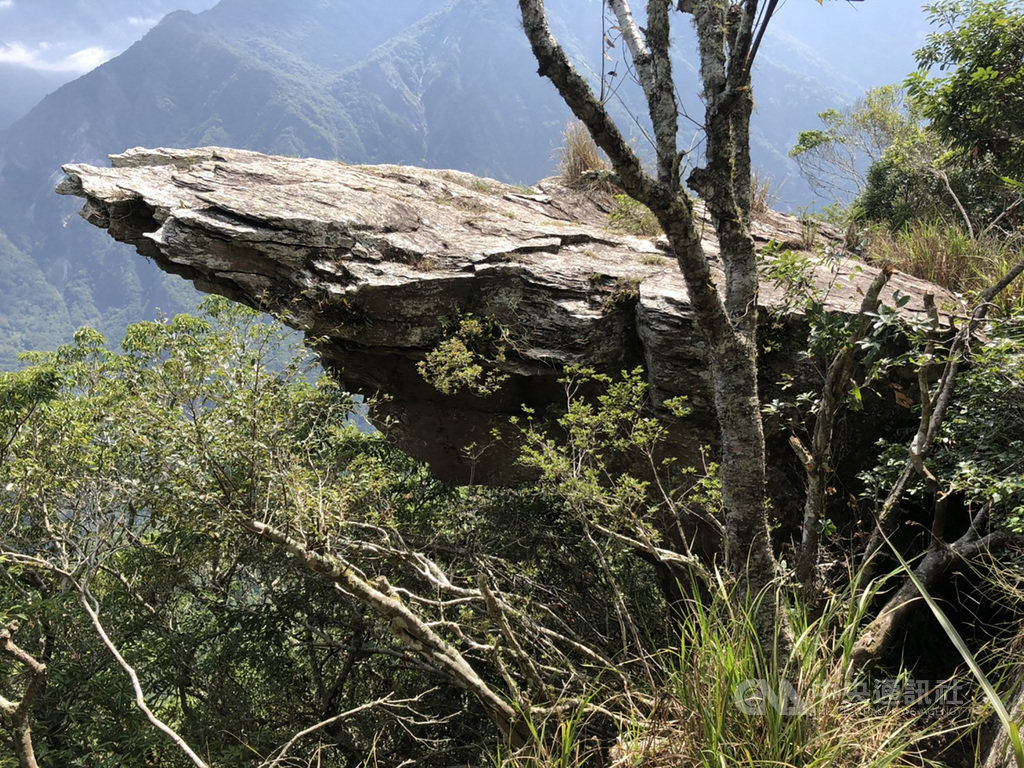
(378, 264)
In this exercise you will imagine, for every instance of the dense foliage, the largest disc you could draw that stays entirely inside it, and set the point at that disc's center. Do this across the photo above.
(131, 482)
(976, 100)
(126, 473)
(964, 160)
(128, 479)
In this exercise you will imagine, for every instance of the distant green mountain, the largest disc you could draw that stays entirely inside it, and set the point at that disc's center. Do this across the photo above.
(442, 83)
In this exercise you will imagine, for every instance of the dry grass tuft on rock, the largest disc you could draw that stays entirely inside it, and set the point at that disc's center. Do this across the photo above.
(762, 196)
(580, 160)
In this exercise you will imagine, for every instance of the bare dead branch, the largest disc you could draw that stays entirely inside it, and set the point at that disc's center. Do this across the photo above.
(383, 702)
(92, 608)
(818, 459)
(956, 200)
(410, 628)
(496, 610)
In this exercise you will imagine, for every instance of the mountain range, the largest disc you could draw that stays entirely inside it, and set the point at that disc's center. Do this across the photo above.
(438, 83)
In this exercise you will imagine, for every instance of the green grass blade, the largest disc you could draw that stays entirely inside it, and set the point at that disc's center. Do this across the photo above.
(965, 652)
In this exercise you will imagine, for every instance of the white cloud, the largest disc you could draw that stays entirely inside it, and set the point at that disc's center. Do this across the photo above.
(86, 59)
(6, 4)
(146, 22)
(44, 57)
(15, 53)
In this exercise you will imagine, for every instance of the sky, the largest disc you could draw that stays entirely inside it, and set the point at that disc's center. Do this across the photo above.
(871, 43)
(53, 56)
(867, 40)
(72, 37)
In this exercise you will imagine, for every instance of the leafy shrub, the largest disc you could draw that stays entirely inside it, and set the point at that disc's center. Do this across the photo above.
(982, 445)
(917, 180)
(459, 361)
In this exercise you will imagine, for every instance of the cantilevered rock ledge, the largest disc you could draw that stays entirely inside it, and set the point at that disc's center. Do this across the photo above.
(377, 263)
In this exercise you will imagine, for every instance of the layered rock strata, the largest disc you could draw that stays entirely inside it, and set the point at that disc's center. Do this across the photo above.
(377, 265)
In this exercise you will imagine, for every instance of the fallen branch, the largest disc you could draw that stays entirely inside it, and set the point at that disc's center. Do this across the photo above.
(877, 638)
(412, 630)
(283, 751)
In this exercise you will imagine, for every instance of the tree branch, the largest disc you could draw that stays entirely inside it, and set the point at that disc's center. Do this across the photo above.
(282, 753)
(654, 71)
(818, 460)
(406, 625)
(877, 638)
(932, 418)
(19, 714)
(729, 325)
(91, 608)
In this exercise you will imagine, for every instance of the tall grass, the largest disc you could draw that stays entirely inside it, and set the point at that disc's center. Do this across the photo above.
(946, 254)
(736, 707)
(936, 251)
(1010, 727)
(1006, 580)
(555, 741)
(762, 196)
(725, 702)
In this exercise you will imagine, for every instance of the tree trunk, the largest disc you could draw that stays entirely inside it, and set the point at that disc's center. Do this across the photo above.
(726, 40)
(23, 745)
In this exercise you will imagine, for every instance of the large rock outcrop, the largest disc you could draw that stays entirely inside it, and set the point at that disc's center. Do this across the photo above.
(377, 265)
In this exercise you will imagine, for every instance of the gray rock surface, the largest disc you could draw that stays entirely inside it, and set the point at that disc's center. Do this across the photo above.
(377, 264)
